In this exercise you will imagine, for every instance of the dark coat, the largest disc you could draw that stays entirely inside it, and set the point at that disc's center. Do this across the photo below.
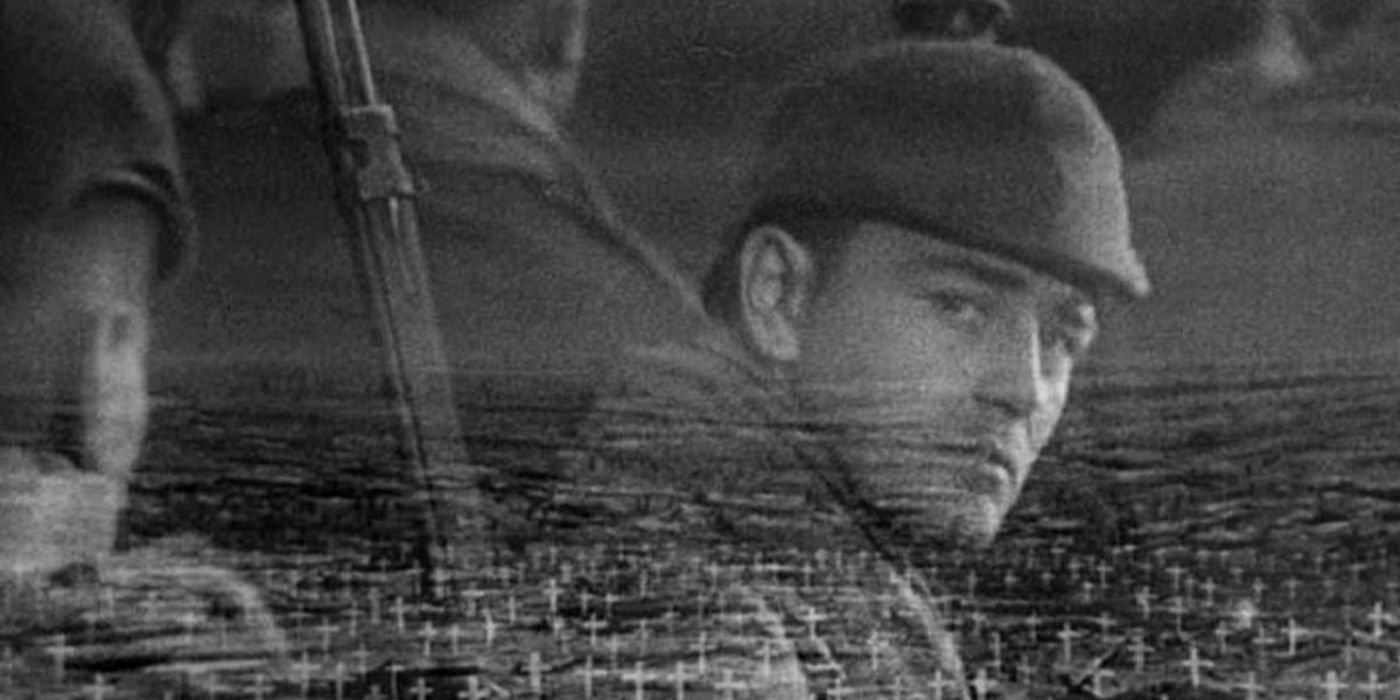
(83, 115)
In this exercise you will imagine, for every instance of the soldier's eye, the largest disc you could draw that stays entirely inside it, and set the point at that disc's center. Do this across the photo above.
(1070, 343)
(955, 305)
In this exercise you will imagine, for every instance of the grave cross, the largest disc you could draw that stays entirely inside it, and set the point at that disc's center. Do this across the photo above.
(339, 680)
(260, 688)
(1105, 622)
(1067, 636)
(939, 684)
(839, 689)
(473, 690)
(1251, 687)
(1210, 588)
(1195, 663)
(362, 659)
(1294, 632)
(678, 679)
(536, 674)
(375, 612)
(99, 688)
(1024, 670)
(639, 681)
(812, 618)
(1144, 601)
(1222, 635)
(1175, 571)
(421, 690)
(1372, 687)
(700, 648)
(1010, 580)
(440, 577)
(1140, 651)
(978, 619)
(428, 634)
(588, 677)
(473, 596)
(189, 621)
(1333, 686)
(1103, 570)
(982, 684)
(728, 686)
(1292, 585)
(556, 625)
(553, 591)
(60, 651)
(354, 614)
(594, 625)
(1177, 607)
(1377, 618)
(400, 613)
(875, 644)
(1262, 638)
(304, 669)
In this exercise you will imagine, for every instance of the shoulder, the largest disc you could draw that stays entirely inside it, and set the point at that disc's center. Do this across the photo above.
(85, 114)
(707, 377)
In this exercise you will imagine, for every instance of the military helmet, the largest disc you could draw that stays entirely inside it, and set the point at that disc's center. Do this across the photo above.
(985, 146)
(950, 19)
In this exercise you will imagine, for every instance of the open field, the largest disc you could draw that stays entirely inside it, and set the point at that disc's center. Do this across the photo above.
(1244, 520)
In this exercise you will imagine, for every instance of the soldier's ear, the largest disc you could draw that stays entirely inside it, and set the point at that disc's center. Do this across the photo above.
(775, 282)
(555, 57)
(563, 29)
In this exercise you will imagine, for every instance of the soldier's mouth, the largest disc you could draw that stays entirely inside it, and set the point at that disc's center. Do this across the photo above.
(25, 461)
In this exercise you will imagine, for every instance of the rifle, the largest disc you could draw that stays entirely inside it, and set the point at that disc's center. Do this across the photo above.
(376, 194)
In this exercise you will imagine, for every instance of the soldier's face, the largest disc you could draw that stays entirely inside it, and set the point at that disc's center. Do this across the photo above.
(938, 373)
(73, 404)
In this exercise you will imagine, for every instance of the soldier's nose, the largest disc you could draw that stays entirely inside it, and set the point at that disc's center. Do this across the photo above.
(1011, 379)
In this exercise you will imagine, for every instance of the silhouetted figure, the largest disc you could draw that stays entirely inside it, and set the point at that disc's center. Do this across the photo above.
(967, 20)
(93, 217)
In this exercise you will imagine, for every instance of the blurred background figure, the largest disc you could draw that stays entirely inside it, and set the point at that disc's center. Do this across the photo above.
(93, 211)
(93, 216)
(961, 20)
(534, 270)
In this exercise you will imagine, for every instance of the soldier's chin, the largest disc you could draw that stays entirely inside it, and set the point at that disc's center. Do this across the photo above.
(947, 520)
(52, 514)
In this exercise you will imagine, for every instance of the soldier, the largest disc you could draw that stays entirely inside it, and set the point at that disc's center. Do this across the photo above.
(933, 230)
(533, 269)
(93, 214)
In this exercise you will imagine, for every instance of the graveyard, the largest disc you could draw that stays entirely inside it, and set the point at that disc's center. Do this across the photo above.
(1201, 533)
